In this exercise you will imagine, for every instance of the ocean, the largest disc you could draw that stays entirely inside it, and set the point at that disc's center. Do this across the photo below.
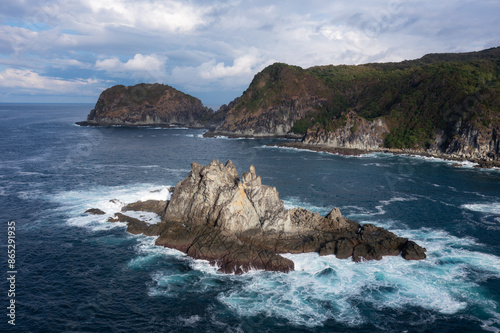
(78, 273)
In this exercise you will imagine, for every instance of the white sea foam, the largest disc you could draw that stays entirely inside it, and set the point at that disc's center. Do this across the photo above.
(172, 283)
(491, 208)
(462, 164)
(385, 203)
(325, 288)
(27, 173)
(110, 200)
(321, 288)
(148, 217)
(189, 321)
(295, 202)
(360, 212)
(166, 128)
(148, 252)
(30, 195)
(379, 165)
(223, 137)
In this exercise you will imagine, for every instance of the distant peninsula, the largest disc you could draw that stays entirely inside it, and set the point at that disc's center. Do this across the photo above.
(443, 105)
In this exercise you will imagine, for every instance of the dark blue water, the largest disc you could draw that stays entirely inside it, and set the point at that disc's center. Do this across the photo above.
(77, 273)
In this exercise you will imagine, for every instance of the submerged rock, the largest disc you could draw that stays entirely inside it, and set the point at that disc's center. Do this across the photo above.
(94, 211)
(239, 225)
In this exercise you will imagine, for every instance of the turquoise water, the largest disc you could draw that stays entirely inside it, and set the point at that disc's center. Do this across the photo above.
(79, 273)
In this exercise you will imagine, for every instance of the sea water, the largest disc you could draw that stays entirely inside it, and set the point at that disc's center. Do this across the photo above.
(79, 273)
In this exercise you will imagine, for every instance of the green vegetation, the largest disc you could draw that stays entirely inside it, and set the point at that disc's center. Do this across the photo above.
(273, 86)
(418, 98)
(142, 93)
(301, 125)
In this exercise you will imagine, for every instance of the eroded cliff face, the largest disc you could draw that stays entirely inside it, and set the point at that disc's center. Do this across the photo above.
(466, 143)
(355, 132)
(240, 224)
(272, 121)
(275, 99)
(148, 104)
(470, 143)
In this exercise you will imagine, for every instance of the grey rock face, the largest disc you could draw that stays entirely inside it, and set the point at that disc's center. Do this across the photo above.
(357, 133)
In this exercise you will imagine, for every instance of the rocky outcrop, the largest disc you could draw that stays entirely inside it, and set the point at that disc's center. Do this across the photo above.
(470, 142)
(94, 211)
(275, 121)
(241, 224)
(147, 105)
(355, 132)
(275, 99)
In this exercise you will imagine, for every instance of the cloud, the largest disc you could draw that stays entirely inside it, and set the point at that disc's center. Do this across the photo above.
(141, 66)
(31, 82)
(236, 72)
(243, 65)
(219, 45)
(14, 38)
(174, 16)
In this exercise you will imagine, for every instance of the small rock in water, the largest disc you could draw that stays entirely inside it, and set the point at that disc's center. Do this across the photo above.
(94, 211)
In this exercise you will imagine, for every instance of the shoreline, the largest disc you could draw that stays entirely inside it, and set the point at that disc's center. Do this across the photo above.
(104, 124)
(483, 164)
(408, 152)
(213, 134)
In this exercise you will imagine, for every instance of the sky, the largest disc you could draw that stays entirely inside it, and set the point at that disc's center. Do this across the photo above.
(71, 50)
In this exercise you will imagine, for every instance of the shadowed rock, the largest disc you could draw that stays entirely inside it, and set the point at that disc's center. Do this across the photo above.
(239, 225)
(94, 211)
(136, 226)
(154, 206)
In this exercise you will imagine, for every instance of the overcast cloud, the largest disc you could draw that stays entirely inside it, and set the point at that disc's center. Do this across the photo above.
(55, 50)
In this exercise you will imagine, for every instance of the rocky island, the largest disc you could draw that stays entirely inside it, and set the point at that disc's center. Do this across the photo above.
(241, 224)
(149, 105)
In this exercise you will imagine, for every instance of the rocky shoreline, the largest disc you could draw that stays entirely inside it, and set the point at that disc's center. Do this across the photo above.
(238, 224)
(358, 152)
(126, 125)
(214, 134)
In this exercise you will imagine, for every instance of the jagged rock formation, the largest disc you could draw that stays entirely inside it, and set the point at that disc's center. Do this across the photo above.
(240, 224)
(149, 104)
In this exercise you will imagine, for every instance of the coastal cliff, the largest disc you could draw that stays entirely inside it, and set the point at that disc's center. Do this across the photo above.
(241, 224)
(445, 105)
(147, 105)
(276, 98)
(355, 133)
(441, 104)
